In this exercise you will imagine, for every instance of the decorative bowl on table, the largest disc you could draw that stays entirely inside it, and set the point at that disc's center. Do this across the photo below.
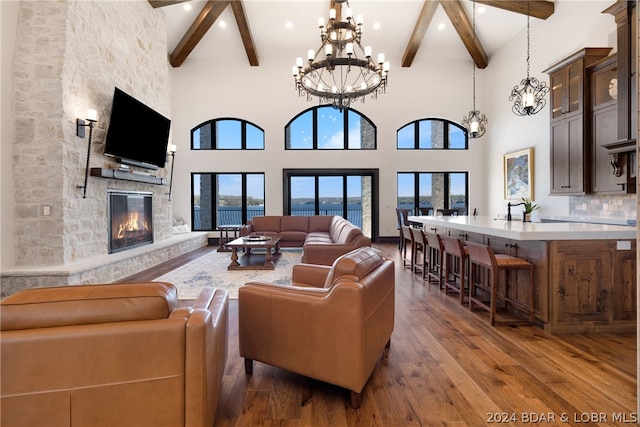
(256, 238)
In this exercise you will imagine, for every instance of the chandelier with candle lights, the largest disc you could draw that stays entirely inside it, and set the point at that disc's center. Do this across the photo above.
(341, 70)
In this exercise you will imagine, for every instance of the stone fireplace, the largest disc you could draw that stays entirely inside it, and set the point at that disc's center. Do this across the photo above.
(130, 219)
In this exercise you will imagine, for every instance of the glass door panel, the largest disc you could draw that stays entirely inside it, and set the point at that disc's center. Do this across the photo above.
(331, 195)
(302, 195)
(229, 199)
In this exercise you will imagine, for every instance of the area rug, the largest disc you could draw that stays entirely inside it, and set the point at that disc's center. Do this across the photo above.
(211, 270)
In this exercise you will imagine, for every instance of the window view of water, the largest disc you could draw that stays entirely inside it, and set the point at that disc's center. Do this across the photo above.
(232, 215)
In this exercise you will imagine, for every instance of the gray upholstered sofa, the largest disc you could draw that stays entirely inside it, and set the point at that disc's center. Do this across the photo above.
(323, 237)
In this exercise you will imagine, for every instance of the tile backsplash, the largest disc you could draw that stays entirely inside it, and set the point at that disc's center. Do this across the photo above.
(624, 206)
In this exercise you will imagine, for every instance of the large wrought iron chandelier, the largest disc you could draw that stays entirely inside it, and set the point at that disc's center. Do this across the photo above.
(341, 70)
(475, 122)
(529, 99)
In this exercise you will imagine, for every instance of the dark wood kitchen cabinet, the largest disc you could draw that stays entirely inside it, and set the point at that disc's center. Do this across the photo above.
(593, 285)
(604, 129)
(570, 134)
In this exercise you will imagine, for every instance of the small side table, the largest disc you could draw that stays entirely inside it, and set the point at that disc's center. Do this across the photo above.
(228, 233)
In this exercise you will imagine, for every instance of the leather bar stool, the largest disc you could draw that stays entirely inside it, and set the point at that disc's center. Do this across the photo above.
(402, 218)
(419, 255)
(482, 257)
(455, 267)
(435, 254)
(406, 241)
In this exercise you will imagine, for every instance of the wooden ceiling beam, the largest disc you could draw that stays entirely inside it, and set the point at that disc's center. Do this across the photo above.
(537, 8)
(245, 32)
(460, 21)
(207, 16)
(162, 3)
(419, 30)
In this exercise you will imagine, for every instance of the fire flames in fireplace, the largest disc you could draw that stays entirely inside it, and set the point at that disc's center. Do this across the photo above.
(131, 222)
(132, 227)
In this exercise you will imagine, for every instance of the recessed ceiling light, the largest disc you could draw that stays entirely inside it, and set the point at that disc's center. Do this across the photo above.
(187, 6)
(223, 24)
(481, 9)
(376, 26)
(441, 26)
(289, 25)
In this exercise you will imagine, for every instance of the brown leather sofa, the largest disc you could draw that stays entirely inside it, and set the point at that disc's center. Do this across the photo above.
(331, 325)
(111, 355)
(322, 237)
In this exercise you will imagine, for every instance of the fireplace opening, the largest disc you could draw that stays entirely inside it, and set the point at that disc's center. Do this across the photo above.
(130, 219)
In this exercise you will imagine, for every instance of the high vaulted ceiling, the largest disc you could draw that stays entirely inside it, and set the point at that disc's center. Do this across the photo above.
(259, 31)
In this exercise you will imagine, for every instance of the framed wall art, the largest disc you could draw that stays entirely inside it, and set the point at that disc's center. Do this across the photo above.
(518, 174)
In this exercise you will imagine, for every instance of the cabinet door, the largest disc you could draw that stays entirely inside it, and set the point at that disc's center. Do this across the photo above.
(559, 157)
(623, 286)
(567, 156)
(605, 131)
(576, 165)
(581, 285)
(557, 94)
(575, 87)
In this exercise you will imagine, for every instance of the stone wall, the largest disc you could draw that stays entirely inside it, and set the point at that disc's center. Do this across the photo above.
(69, 57)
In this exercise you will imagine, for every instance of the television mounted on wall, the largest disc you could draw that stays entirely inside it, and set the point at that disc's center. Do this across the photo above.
(137, 134)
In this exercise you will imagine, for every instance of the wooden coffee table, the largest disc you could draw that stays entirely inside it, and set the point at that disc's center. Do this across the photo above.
(250, 260)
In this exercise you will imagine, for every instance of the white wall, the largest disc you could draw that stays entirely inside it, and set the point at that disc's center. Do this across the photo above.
(265, 95)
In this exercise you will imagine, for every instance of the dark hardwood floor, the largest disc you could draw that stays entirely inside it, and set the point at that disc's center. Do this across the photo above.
(445, 367)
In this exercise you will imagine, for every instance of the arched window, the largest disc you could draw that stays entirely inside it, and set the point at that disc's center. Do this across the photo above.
(326, 128)
(227, 134)
(431, 133)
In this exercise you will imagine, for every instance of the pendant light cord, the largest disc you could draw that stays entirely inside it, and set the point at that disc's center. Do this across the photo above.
(528, 37)
(472, 59)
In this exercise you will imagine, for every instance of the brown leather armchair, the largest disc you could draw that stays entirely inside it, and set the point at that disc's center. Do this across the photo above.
(112, 355)
(331, 325)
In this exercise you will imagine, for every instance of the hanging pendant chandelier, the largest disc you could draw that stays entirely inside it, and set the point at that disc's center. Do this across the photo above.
(341, 70)
(475, 122)
(529, 98)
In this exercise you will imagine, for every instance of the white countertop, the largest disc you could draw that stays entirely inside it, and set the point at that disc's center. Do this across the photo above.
(591, 219)
(518, 230)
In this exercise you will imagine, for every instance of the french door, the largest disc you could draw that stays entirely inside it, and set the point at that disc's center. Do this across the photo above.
(349, 193)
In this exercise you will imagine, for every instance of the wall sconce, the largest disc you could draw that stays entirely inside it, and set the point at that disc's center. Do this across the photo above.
(92, 117)
(172, 151)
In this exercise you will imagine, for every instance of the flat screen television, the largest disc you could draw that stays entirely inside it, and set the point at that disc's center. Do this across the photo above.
(137, 134)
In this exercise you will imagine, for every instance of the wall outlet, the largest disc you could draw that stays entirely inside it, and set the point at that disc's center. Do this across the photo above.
(623, 245)
(46, 210)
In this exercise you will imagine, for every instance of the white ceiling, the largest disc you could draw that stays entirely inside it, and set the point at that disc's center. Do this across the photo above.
(274, 41)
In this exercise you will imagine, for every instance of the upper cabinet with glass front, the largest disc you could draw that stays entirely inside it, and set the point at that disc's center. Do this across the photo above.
(569, 140)
(568, 85)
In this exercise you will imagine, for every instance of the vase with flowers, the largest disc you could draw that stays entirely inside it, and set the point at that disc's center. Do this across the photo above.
(529, 207)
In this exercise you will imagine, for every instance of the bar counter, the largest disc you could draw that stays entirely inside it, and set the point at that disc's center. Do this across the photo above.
(585, 273)
(519, 230)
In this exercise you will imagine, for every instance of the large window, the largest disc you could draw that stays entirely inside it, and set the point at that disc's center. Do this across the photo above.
(227, 134)
(434, 190)
(427, 134)
(347, 193)
(225, 199)
(326, 128)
